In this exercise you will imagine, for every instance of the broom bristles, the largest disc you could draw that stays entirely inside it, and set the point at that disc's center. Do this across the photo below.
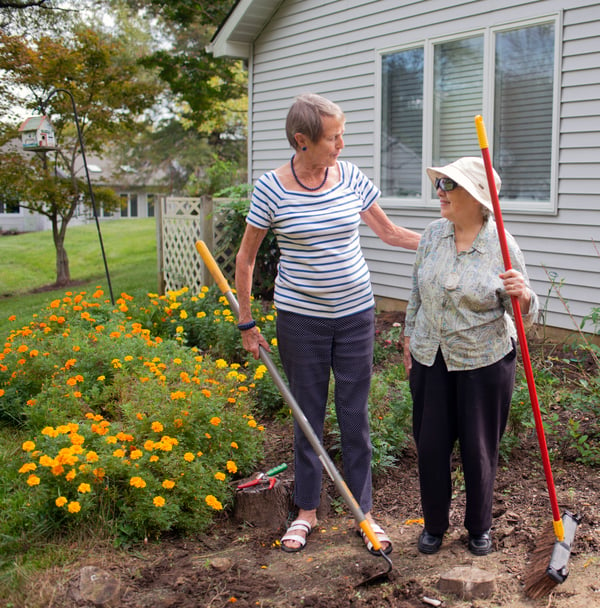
(537, 580)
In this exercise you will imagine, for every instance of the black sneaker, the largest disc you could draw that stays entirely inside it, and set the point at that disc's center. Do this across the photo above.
(480, 544)
(429, 543)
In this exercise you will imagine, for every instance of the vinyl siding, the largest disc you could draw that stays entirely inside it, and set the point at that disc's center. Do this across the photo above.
(331, 48)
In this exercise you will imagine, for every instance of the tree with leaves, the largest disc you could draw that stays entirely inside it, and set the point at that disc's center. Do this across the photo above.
(110, 92)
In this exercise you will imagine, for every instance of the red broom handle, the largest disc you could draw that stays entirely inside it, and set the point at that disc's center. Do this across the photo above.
(539, 426)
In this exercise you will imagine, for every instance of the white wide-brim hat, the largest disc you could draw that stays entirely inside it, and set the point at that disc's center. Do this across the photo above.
(468, 172)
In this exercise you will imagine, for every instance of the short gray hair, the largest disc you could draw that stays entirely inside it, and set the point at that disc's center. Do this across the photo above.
(305, 117)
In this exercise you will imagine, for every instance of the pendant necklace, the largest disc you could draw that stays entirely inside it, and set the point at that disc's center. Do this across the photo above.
(301, 184)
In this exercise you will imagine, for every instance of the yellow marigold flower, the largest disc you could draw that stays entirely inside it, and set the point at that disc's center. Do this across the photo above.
(157, 427)
(154, 458)
(201, 314)
(188, 456)
(101, 378)
(111, 439)
(136, 454)
(61, 501)
(234, 445)
(128, 358)
(175, 395)
(211, 501)
(28, 467)
(198, 454)
(252, 423)
(168, 484)
(221, 363)
(137, 482)
(230, 400)
(231, 466)
(116, 363)
(74, 507)
(183, 315)
(70, 476)
(158, 501)
(119, 453)
(215, 421)
(84, 488)
(148, 445)
(220, 476)
(33, 480)
(28, 446)
(179, 329)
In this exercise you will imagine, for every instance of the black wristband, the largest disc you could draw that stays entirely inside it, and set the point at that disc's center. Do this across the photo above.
(245, 326)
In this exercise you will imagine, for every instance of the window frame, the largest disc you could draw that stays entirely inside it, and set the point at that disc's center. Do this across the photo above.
(428, 200)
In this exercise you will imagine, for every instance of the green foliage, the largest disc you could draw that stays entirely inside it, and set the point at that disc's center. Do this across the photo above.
(232, 211)
(140, 429)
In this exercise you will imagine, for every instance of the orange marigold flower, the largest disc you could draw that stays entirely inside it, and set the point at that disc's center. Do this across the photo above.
(74, 507)
(91, 456)
(188, 456)
(234, 445)
(28, 467)
(61, 501)
(137, 482)
(84, 488)
(157, 427)
(215, 421)
(33, 480)
(28, 446)
(136, 454)
(211, 501)
(168, 484)
(231, 466)
(220, 476)
(158, 501)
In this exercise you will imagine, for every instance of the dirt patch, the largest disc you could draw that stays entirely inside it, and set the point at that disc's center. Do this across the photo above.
(240, 565)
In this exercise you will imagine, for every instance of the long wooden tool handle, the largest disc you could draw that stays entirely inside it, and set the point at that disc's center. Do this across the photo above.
(535, 406)
(297, 412)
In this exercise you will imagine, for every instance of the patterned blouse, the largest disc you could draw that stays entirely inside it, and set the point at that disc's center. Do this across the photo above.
(322, 271)
(458, 303)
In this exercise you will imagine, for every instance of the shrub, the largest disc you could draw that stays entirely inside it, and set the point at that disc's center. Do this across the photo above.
(120, 422)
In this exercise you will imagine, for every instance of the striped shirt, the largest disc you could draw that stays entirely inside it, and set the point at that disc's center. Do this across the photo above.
(458, 302)
(322, 271)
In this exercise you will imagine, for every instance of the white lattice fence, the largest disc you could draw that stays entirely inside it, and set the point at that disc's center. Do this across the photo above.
(186, 220)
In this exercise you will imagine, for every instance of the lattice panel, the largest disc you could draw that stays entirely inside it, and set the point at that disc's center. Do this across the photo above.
(183, 225)
(185, 221)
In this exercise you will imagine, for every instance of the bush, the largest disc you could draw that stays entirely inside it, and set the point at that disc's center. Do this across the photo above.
(124, 423)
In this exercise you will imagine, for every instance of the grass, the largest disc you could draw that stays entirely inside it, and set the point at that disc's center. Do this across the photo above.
(28, 263)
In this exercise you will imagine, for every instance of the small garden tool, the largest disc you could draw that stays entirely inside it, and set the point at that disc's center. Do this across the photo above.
(261, 478)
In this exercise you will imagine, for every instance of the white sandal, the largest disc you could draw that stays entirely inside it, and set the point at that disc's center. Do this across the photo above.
(382, 537)
(297, 524)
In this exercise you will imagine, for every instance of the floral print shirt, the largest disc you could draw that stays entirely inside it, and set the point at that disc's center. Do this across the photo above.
(458, 302)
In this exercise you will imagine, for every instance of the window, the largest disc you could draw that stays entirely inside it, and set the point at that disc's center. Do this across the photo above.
(430, 95)
(9, 204)
(151, 204)
(129, 205)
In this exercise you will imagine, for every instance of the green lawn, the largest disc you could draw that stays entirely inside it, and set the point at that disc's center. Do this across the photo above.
(28, 263)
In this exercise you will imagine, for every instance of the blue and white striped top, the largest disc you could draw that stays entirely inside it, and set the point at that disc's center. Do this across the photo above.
(322, 271)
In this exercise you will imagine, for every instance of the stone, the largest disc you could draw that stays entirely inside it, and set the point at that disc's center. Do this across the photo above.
(98, 586)
(468, 582)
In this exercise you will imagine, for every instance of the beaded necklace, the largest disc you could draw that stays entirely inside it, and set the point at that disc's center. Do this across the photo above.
(301, 184)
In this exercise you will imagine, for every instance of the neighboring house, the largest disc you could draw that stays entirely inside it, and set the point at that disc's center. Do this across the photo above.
(139, 192)
(410, 77)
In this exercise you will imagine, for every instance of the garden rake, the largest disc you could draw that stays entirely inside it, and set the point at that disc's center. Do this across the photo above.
(302, 421)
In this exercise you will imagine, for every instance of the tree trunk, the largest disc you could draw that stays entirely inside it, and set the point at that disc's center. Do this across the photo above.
(63, 274)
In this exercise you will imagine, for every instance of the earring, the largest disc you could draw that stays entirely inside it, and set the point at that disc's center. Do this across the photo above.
(304, 148)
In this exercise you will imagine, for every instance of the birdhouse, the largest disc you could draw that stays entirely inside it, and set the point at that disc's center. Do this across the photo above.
(37, 134)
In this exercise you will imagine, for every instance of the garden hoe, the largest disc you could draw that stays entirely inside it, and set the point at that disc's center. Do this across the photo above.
(302, 421)
(557, 542)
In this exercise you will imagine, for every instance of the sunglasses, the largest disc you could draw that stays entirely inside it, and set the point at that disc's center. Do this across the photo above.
(445, 183)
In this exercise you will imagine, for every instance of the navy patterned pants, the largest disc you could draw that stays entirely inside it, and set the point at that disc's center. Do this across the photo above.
(310, 348)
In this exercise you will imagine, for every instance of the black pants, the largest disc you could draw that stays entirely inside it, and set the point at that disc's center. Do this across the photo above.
(471, 407)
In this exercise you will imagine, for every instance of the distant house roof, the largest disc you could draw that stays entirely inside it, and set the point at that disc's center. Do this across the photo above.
(242, 26)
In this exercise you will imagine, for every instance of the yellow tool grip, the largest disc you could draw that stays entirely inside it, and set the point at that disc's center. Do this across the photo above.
(559, 530)
(365, 526)
(481, 134)
(212, 266)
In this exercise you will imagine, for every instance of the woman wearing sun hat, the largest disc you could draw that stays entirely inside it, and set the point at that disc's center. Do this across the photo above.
(460, 349)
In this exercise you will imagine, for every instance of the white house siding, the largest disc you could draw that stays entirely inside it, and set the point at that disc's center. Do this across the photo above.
(331, 47)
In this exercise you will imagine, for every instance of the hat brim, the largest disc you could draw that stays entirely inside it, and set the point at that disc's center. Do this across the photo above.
(459, 177)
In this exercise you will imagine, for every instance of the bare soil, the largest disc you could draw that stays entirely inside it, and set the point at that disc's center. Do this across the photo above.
(240, 565)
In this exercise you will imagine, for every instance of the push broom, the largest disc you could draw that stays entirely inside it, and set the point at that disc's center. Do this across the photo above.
(557, 540)
(303, 422)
